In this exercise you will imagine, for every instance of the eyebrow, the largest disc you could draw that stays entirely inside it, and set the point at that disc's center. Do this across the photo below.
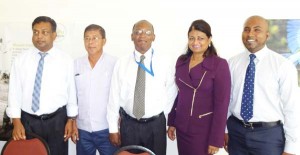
(43, 29)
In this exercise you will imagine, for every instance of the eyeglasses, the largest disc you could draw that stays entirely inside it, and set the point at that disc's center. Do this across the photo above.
(44, 33)
(88, 39)
(140, 32)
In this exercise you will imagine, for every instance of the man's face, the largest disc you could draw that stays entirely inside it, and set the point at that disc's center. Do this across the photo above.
(255, 34)
(94, 42)
(43, 37)
(142, 36)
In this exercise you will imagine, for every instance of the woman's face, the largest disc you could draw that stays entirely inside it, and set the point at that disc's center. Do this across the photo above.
(198, 41)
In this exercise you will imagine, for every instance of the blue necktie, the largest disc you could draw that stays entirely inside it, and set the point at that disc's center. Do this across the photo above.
(139, 92)
(37, 84)
(248, 91)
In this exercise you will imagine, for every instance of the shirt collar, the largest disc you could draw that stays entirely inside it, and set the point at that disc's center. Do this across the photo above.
(147, 54)
(208, 62)
(51, 52)
(259, 54)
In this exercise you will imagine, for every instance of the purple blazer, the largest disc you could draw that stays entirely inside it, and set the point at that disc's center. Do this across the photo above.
(205, 111)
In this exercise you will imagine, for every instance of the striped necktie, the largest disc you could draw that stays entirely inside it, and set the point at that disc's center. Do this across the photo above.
(37, 84)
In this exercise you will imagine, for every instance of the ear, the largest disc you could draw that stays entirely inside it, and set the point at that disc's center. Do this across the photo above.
(104, 42)
(131, 37)
(209, 40)
(267, 35)
(54, 35)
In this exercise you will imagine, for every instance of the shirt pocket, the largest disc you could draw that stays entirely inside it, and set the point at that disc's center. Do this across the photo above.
(81, 81)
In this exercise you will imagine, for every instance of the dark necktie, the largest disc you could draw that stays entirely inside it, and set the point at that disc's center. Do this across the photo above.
(139, 92)
(248, 91)
(37, 84)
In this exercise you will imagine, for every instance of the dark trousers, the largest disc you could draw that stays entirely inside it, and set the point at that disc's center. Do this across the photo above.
(50, 129)
(254, 141)
(151, 135)
(89, 142)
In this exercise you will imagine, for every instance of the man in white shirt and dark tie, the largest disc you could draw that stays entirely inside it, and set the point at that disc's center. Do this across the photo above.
(263, 109)
(42, 95)
(142, 93)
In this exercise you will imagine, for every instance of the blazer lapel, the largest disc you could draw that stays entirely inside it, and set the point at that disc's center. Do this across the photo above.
(182, 72)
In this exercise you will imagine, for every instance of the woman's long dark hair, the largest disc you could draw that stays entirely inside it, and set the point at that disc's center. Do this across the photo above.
(204, 27)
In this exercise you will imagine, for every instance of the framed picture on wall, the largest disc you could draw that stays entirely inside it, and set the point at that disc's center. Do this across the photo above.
(285, 39)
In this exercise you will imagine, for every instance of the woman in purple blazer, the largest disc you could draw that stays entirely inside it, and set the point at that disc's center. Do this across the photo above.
(200, 110)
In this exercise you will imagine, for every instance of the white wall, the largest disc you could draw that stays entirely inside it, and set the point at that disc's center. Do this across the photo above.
(171, 19)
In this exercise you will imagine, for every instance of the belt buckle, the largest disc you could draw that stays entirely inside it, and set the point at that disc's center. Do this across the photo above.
(44, 117)
(248, 124)
(142, 120)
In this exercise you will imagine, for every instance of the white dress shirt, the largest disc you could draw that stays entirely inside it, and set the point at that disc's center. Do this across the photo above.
(92, 85)
(57, 87)
(275, 91)
(160, 89)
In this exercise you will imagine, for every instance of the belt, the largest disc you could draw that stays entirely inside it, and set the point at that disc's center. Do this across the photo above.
(256, 124)
(141, 120)
(45, 116)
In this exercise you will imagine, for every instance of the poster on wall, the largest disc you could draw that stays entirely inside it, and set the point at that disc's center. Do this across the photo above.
(13, 40)
(285, 39)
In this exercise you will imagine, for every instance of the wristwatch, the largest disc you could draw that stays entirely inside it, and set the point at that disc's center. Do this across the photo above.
(72, 118)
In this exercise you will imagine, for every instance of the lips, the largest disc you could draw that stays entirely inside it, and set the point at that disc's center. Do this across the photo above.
(40, 42)
(142, 41)
(196, 46)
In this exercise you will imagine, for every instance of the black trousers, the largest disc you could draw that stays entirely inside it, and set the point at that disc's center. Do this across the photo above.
(151, 135)
(254, 141)
(51, 129)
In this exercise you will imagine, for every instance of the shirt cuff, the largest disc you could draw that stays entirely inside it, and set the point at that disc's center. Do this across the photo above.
(291, 147)
(12, 113)
(72, 111)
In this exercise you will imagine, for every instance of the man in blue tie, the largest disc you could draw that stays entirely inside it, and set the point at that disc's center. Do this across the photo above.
(262, 115)
(42, 95)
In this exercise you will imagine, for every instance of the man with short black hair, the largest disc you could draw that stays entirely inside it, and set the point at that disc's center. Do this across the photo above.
(42, 95)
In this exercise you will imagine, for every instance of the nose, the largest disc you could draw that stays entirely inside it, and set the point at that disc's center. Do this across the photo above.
(90, 41)
(251, 32)
(143, 34)
(39, 35)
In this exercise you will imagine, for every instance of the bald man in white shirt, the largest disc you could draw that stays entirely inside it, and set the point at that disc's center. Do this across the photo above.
(160, 91)
(273, 128)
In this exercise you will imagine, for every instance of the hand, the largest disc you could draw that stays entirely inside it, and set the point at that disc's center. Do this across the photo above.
(226, 138)
(68, 129)
(171, 133)
(212, 149)
(115, 139)
(18, 131)
(75, 134)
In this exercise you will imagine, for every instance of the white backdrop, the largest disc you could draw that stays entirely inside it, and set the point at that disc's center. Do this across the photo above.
(171, 19)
